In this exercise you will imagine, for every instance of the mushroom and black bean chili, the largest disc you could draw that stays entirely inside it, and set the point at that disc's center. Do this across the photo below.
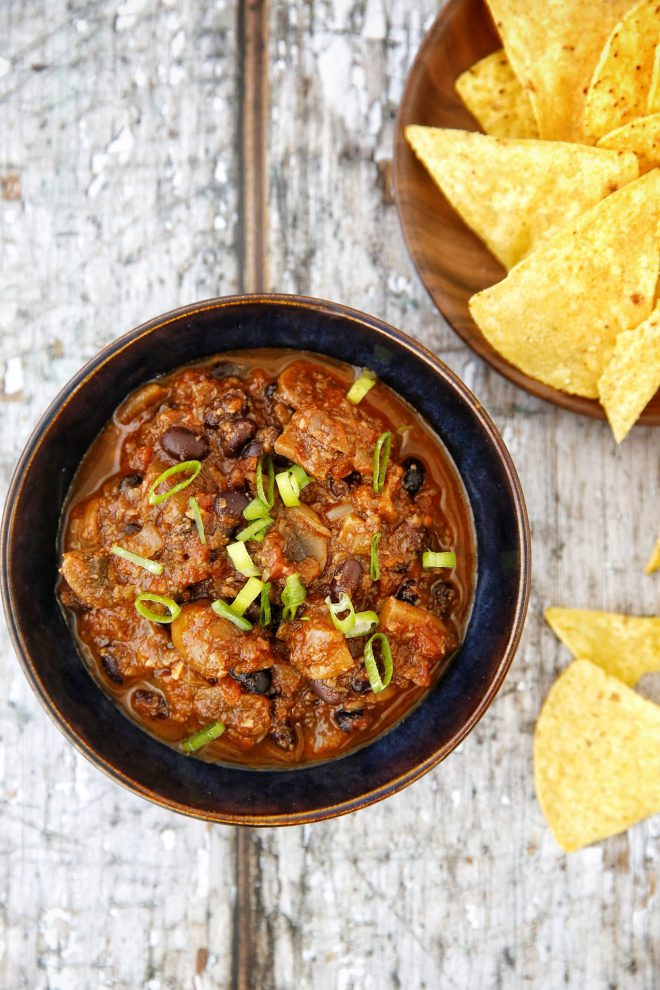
(267, 558)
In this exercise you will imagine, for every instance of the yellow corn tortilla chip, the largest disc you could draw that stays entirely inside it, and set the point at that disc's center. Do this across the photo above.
(641, 136)
(620, 87)
(553, 49)
(632, 376)
(510, 192)
(557, 314)
(625, 646)
(596, 757)
(654, 560)
(495, 98)
(653, 100)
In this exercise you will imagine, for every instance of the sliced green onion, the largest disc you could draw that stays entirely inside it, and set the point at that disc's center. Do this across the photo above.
(374, 567)
(149, 565)
(204, 736)
(255, 531)
(359, 389)
(241, 560)
(264, 610)
(193, 466)
(445, 559)
(381, 460)
(225, 611)
(267, 495)
(365, 623)
(288, 488)
(378, 683)
(250, 590)
(293, 595)
(173, 609)
(255, 510)
(300, 475)
(197, 515)
(336, 608)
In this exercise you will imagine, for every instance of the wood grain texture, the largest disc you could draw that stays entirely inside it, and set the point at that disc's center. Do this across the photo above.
(119, 133)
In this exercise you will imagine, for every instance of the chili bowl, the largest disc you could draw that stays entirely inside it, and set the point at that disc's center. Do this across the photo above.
(93, 723)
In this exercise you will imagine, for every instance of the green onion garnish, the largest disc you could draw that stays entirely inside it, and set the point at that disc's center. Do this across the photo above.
(359, 389)
(241, 560)
(204, 736)
(374, 567)
(336, 608)
(445, 559)
(365, 622)
(168, 603)
(225, 611)
(377, 683)
(193, 466)
(255, 510)
(149, 565)
(264, 611)
(381, 459)
(197, 515)
(267, 496)
(293, 595)
(290, 484)
(250, 590)
(255, 531)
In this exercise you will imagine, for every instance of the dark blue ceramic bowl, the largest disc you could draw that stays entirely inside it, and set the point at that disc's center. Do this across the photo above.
(92, 722)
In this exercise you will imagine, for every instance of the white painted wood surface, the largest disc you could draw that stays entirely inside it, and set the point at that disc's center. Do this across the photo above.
(119, 122)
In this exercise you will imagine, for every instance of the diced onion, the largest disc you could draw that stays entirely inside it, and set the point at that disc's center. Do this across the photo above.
(336, 608)
(374, 566)
(173, 609)
(293, 595)
(197, 515)
(339, 511)
(149, 565)
(447, 558)
(264, 609)
(241, 559)
(225, 611)
(377, 682)
(204, 736)
(381, 460)
(193, 466)
(255, 531)
(359, 389)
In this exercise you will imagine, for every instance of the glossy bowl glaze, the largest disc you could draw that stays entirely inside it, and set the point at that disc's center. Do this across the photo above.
(93, 723)
(450, 260)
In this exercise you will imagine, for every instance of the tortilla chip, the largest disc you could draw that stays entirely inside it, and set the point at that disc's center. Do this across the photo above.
(641, 136)
(557, 314)
(620, 87)
(654, 560)
(495, 98)
(653, 99)
(553, 49)
(510, 192)
(625, 646)
(632, 376)
(596, 757)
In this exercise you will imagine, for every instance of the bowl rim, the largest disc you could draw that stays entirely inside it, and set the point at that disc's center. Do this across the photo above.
(576, 404)
(382, 329)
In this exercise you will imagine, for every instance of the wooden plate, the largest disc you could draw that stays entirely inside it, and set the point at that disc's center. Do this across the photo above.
(451, 261)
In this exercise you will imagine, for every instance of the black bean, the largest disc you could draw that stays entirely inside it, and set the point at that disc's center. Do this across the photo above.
(283, 735)
(354, 478)
(360, 682)
(213, 418)
(253, 449)
(347, 720)
(184, 445)
(269, 391)
(443, 595)
(413, 475)
(130, 481)
(227, 369)
(328, 693)
(236, 435)
(131, 528)
(231, 503)
(256, 682)
(408, 592)
(111, 668)
(150, 704)
(347, 579)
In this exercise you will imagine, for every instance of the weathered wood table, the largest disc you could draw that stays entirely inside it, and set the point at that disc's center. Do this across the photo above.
(156, 152)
